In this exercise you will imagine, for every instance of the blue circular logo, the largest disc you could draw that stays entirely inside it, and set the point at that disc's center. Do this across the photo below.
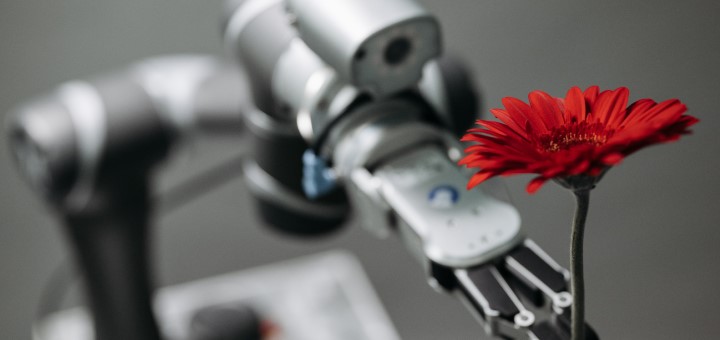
(443, 196)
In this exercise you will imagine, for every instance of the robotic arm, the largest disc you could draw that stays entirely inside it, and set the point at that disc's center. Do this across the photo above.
(377, 107)
(356, 107)
(90, 148)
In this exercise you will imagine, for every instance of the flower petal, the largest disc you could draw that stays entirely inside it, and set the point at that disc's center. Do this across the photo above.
(613, 158)
(515, 122)
(478, 178)
(662, 114)
(591, 94)
(547, 108)
(581, 167)
(611, 104)
(535, 184)
(516, 106)
(574, 105)
(636, 109)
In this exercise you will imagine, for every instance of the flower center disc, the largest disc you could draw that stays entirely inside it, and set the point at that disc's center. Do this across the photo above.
(574, 134)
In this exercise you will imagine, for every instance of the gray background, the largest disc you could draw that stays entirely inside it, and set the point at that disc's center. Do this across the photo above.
(652, 239)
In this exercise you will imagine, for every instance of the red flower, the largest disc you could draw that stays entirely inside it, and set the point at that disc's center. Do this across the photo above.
(574, 139)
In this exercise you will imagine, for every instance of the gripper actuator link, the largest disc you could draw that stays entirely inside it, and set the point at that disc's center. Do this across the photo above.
(497, 292)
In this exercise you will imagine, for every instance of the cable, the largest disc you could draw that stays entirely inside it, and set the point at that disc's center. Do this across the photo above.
(200, 185)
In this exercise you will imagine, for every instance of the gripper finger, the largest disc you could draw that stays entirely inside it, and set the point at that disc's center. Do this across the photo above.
(491, 296)
(538, 273)
(548, 330)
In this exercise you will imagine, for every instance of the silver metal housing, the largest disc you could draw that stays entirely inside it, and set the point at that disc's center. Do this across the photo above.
(377, 45)
(310, 89)
(396, 164)
(468, 229)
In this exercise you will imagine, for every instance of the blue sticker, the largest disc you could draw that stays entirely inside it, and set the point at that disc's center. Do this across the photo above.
(443, 196)
(317, 178)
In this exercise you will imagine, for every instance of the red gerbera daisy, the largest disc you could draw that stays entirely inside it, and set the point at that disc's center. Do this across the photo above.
(573, 140)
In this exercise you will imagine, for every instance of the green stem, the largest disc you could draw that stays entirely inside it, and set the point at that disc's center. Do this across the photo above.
(577, 282)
